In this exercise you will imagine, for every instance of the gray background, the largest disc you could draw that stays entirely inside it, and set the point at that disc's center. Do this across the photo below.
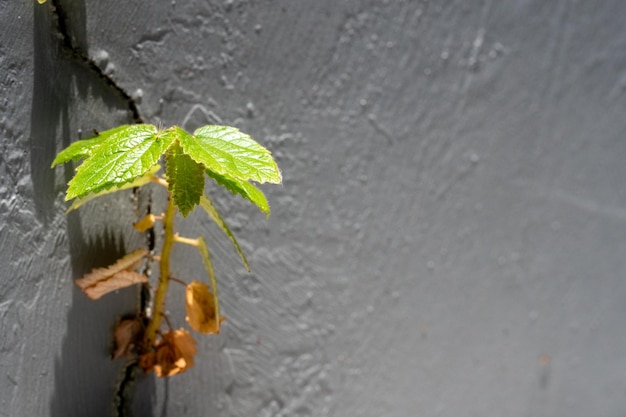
(449, 239)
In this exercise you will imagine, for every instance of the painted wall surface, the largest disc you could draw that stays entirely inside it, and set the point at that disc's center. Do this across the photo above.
(450, 238)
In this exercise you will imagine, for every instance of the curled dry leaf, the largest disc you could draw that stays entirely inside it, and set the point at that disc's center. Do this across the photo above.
(101, 281)
(173, 354)
(127, 335)
(200, 307)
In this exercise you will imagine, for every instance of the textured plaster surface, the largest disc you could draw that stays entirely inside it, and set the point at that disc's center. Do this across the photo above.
(449, 239)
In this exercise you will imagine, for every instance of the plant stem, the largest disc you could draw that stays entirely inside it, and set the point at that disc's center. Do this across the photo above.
(164, 277)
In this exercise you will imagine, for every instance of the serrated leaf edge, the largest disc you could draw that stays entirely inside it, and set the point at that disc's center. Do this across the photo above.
(85, 183)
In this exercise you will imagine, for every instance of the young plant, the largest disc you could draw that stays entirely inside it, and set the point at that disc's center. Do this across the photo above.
(129, 156)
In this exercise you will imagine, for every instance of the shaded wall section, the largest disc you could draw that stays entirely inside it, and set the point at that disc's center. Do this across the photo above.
(449, 238)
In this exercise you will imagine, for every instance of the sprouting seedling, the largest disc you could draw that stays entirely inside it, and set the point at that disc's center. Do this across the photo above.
(129, 156)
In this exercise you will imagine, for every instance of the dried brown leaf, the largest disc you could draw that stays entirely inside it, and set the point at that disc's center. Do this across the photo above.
(101, 281)
(122, 279)
(200, 308)
(173, 355)
(127, 335)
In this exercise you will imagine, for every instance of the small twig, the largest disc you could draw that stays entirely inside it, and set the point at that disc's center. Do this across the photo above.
(179, 281)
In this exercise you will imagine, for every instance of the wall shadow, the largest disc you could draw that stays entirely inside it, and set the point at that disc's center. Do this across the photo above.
(85, 377)
(59, 84)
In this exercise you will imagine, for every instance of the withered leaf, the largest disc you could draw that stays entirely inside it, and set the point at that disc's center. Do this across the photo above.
(200, 308)
(101, 281)
(173, 354)
(147, 361)
(127, 335)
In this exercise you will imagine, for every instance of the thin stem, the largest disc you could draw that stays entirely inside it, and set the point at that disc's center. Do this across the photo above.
(179, 281)
(208, 265)
(164, 277)
(185, 240)
(167, 320)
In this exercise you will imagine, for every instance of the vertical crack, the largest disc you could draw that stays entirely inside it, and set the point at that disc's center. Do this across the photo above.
(122, 398)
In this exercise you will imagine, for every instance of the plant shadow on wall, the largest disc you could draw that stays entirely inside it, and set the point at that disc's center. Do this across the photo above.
(63, 87)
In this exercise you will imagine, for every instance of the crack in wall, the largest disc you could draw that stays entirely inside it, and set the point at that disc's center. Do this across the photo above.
(75, 51)
(125, 388)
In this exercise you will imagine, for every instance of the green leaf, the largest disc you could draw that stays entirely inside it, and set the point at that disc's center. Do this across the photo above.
(244, 189)
(185, 178)
(127, 154)
(228, 152)
(84, 148)
(143, 180)
(208, 206)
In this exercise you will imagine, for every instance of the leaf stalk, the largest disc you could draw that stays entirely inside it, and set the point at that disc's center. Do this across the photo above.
(185, 240)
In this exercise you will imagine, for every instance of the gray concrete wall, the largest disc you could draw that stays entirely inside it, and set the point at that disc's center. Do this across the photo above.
(450, 238)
